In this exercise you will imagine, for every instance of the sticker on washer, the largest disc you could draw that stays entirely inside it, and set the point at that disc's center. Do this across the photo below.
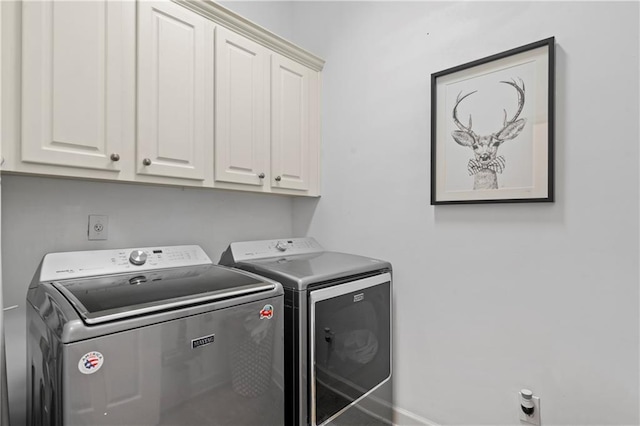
(266, 312)
(90, 362)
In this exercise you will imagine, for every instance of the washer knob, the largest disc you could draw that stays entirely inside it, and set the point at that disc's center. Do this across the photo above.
(282, 246)
(138, 257)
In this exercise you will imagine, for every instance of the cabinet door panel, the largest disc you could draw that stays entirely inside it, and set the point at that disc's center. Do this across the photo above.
(242, 81)
(290, 124)
(175, 54)
(78, 71)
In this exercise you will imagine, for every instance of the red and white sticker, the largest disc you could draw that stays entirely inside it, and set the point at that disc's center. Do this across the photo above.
(90, 362)
(266, 312)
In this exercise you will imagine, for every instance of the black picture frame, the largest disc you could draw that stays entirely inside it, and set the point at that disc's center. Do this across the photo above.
(511, 95)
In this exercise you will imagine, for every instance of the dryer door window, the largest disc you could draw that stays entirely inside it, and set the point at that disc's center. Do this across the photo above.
(350, 344)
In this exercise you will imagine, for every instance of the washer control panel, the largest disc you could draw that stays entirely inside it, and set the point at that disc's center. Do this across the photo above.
(79, 264)
(252, 250)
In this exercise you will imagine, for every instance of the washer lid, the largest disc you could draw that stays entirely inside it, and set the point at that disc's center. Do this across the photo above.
(108, 298)
(300, 271)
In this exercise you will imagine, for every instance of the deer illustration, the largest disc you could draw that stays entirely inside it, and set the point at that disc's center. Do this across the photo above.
(487, 164)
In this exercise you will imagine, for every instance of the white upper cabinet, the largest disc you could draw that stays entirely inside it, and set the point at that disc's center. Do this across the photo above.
(178, 92)
(242, 110)
(78, 71)
(291, 121)
(175, 91)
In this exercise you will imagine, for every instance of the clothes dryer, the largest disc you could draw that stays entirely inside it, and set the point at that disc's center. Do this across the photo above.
(337, 329)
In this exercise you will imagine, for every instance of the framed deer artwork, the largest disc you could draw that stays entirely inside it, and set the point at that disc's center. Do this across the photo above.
(492, 128)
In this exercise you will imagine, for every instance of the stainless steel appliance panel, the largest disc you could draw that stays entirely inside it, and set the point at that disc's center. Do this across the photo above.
(301, 271)
(219, 367)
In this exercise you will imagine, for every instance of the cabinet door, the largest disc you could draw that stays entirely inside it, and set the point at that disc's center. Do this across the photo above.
(175, 68)
(78, 63)
(290, 103)
(242, 108)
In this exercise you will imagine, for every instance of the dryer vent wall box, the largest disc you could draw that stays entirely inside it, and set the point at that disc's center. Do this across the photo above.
(155, 335)
(341, 368)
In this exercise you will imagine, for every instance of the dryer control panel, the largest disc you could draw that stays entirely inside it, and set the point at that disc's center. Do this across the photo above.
(80, 264)
(252, 250)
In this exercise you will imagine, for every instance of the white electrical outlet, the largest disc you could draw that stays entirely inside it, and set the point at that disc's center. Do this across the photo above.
(534, 418)
(98, 227)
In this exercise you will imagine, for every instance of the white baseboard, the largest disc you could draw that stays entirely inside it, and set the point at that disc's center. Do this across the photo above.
(402, 417)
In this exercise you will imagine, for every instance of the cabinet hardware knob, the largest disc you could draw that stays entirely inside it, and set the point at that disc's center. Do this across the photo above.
(115, 157)
(278, 178)
(146, 162)
(261, 175)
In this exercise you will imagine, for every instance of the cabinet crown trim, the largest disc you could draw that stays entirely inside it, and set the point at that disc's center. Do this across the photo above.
(231, 20)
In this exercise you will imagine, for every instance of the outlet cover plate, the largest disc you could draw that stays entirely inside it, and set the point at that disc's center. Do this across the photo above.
(98, 227)
(533, 419)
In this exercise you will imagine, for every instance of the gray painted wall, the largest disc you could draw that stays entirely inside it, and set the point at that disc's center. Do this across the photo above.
(488, 298)
(276, 16)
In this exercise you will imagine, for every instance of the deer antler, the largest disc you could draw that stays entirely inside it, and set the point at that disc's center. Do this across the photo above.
(455, 113)
(508, 125)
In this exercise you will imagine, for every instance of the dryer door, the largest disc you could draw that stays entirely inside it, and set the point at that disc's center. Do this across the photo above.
(350, 326)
